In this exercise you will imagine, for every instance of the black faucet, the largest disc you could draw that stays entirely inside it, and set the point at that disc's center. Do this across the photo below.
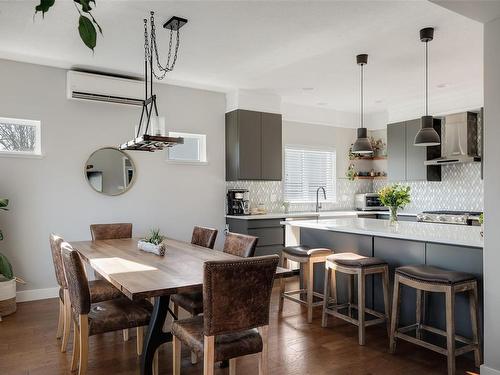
(318, 205)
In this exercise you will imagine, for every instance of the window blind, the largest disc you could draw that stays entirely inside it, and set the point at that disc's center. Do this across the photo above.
(306, 169)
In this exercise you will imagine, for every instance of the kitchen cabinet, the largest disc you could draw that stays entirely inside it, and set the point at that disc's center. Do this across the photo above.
(405, 161)
(270, 232)
(253, 146)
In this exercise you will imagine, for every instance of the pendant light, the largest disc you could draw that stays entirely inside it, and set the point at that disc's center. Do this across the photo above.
(427, 135)
(362, 144)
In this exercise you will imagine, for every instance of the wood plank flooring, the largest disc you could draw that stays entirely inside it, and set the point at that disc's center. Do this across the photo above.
(28, 346)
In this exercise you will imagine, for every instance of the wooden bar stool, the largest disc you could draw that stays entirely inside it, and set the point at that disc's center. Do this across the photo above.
(355, 264)
(307, 257)
(433, 279)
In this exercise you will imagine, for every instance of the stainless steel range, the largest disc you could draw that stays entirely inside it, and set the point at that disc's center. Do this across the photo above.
(450, 217)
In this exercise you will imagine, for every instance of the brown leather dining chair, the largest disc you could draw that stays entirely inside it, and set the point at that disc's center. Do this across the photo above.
(236, 317)
(89, 318)
(204, 237)
(100, 290)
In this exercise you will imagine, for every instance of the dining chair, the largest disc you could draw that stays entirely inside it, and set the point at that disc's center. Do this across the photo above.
(236, 296)
(90, 318)
(241, 245)
(204, 237)
(111, 231)
(100, 290)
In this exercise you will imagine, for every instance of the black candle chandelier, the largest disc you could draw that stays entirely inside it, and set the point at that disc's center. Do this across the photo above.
(150, 134)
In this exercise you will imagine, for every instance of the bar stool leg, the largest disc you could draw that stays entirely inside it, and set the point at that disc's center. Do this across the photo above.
(387, 308)
(473, 307)
(326, 293)
(284, 264)
(361, 307)
(310, 284)
(450, 330)
(395, 314)
(350, 294)
(418, 313)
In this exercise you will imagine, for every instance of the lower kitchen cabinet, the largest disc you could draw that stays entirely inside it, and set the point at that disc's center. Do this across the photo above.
(270, 232)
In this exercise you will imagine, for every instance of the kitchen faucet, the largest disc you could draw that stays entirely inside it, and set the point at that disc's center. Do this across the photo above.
(318, 205)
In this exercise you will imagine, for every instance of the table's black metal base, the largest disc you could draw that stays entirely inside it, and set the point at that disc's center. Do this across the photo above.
(155, 335)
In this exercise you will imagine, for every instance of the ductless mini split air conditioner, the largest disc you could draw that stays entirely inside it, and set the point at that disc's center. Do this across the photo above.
(104, 88)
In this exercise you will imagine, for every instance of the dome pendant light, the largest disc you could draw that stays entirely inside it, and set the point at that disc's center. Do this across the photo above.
(427, 135)
(362, 144)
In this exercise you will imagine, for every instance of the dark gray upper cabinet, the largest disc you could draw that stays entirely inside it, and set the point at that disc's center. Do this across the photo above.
(253, 146)
(405, 160)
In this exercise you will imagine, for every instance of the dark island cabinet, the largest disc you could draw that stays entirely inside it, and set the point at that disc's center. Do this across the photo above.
(253, 146)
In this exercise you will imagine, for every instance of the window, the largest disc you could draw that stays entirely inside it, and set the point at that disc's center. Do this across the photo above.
(20, 137)
(194, 149)
(306, 169)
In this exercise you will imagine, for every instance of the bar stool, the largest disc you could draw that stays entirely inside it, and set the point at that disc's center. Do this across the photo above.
(307, 257)
(433, 279)
(355, 264)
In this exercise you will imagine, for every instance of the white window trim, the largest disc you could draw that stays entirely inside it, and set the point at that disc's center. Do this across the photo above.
(202, 150)
(333, 199)
(37, 153)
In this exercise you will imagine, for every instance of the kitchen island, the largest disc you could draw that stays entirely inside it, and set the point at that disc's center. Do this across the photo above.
(453, 247)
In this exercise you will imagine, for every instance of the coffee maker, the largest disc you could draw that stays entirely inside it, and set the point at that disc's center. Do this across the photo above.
(237, 202)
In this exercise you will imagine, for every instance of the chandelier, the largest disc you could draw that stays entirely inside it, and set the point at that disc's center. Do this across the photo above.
(150, 134)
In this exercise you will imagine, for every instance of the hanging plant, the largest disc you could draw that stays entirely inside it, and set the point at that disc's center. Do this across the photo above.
(86, 22)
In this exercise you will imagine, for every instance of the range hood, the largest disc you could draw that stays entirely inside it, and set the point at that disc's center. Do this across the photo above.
(459, 139)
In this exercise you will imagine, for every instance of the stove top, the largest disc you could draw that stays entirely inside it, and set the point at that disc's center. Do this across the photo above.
(444, 212)
(449, 217)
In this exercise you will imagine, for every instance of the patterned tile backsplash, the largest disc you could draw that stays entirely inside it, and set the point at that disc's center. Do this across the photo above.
(461, 188)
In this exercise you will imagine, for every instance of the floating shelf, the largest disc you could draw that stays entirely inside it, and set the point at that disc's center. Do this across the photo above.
(374, 158)
(370, 177)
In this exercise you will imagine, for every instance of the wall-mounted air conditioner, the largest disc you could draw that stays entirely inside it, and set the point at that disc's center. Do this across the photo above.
(103, 88)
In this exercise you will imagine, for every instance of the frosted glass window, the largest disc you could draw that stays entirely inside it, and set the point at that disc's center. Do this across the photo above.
(194, 148)
(20, 137)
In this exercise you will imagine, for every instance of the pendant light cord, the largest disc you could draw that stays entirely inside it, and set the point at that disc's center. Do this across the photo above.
(427, 78)
(362, 84)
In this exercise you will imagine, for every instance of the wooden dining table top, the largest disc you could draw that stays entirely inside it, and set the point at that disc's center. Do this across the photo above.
(139, 274)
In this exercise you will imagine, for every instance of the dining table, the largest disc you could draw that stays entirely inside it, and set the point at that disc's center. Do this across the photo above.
(139, 275)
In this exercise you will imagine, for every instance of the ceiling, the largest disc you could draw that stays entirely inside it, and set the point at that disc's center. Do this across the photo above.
(303, 51)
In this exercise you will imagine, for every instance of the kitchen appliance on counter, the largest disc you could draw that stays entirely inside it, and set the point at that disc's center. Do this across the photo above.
(450, 217)
(368, 202)
(238, 202)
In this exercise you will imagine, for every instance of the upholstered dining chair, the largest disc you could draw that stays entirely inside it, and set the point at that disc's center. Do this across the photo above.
(236, 317)
(90, 319)
(100, 290)
(204, 237)
(236, 244)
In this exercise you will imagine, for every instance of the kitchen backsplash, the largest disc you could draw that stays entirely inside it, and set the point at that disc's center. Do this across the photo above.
(461, 188)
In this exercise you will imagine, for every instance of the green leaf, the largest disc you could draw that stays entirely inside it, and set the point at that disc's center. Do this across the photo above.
(85, 5)
(87, 32)
(44, 6)
(3, 204)
(6, 267)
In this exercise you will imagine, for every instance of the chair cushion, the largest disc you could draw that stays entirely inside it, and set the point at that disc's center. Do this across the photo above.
(227, 346)
(117, 314)
(102, 290)
(431, 274)
(305, 251)
(191, 302)
(354, 260)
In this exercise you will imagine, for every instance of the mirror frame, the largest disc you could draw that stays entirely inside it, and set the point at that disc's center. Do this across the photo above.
(130, 185)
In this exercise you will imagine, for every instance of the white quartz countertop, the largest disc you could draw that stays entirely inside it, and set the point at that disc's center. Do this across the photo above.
(449, 234)
(321, 214)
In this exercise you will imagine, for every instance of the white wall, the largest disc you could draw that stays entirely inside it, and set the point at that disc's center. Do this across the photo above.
(491, 196)
(51, 194)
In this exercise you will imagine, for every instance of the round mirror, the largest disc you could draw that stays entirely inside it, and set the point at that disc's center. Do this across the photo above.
(110, 171)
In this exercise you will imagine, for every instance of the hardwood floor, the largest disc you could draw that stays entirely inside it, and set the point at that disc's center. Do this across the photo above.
(28, 346)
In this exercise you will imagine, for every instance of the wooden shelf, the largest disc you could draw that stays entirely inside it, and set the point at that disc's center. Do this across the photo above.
(374, 158)
(370, 177)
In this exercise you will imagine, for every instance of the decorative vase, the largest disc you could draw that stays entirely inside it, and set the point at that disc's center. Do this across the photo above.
(152, 248)
(7, 297)
(393, 217)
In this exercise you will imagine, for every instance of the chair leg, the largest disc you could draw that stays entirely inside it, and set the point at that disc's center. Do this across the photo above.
(473, 307)
(418, 314)
(67, 322)
(387, 302)
(84, 344)
(194, 357)
(156, 368)
(208, 355)
(450, 330)
(361, 307)
(284, 264)
(310, 285)
(125, 335)
(263, 359)
(60, 322)
(395, 314)
(232, 366)
(140, 339)
(326, 296)
(176, 350)
(76, 347)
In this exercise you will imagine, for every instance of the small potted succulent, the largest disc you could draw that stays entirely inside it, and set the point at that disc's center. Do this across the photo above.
(394, 196)
(153, 243)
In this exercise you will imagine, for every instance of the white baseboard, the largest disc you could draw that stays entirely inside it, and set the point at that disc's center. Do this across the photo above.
(485, 370)
(36, 294)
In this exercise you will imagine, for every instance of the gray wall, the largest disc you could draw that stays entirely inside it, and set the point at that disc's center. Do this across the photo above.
(51, 194)
(491, 196)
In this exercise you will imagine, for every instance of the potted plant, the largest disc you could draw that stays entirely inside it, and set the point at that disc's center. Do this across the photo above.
(351, 172)
(394, 196)
(153, 243)
(7, 278)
